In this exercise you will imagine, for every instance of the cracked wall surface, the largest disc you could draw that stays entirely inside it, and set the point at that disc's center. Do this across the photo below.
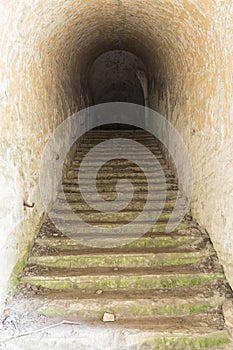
(47, 49)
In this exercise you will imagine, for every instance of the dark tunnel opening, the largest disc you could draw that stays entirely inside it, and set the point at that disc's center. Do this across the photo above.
(113, 77)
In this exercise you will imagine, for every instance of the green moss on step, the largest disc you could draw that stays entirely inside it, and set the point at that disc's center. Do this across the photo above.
(94, 310)
(153, 311)
(157, 242)
(21, 264)
(120, 282)
(129, 260)
(188, 343)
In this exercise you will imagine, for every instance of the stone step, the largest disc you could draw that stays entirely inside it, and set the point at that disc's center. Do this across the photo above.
(145, 244)
(134, 206)
(70, 185)
(119, 172)
(119, 163)
(133, 177)
(70, 279)
(115, 217)
(130, 155)
(211, 289)
(117, 260)
(132, 232)
(70, 227)
(182, 333)
(73, 195)
(100, 247)
(141, 308)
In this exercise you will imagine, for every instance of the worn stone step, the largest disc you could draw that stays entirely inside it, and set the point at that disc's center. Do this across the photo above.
(117, 173)
(144, 147)
(211, 289)
(110, 186)
(70, 226)
(146, 142)
(120, 281)
(127, 162)
(70, 185)
(157, 243)
(114, 217)
(118, 164)
(100, 247)
(73, 195)
(141, 308)
(131, 158)
(117, 260)
(133, 206)
(92, 136)
(106, 176)
(175, 334)
(133, 271)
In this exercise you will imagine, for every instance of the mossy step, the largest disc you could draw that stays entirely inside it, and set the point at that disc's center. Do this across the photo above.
(117, 171)
(128, 153)
(94, 161)
(117, 260)
(93, 309)
(161, 242)
(123, 164)
(97, 141)
(217, 339)
(110, 186)
(197, 292)
(155, 189)
(91, 137)
(115, 217)
(113, 131)
(83, 340)
(134, 160)
(133, 206)
(114, 281)
(73, 195)
(108, 177)
(100, 247)
(69, 227)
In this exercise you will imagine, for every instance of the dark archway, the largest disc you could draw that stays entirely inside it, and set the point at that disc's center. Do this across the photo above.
(113, 77)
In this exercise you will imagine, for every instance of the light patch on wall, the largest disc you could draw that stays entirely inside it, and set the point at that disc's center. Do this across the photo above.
(11, 204)
(3, 88)
(3, 14)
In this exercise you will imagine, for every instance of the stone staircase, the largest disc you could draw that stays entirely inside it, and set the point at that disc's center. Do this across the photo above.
(160, 291)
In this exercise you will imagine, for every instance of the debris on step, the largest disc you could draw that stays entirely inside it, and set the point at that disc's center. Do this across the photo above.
(107, 317)
(99, 292)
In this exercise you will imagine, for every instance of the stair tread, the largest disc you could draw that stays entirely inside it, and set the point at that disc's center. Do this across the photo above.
(204, 291)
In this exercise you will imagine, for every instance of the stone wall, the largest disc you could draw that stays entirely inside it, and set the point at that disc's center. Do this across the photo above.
(47, 48)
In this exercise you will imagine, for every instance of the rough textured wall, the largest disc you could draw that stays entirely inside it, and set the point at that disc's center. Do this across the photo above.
(198, 101)
(47, 48)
